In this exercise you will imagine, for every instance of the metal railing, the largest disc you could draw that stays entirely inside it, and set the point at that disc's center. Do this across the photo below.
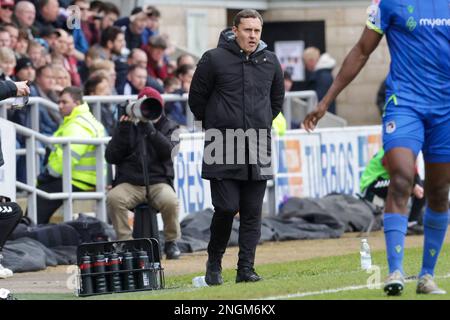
(67, 195)
(32, 152)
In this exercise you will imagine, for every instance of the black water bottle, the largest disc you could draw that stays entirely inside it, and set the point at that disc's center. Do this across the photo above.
(128, 277)
(86, 278)
(100, 279)
(143, 276)
(115, 284)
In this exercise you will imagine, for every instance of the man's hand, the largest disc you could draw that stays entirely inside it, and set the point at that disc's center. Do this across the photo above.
(125, 118)
(147, 128)
(22, 88)
(312, 118)
(418, 191)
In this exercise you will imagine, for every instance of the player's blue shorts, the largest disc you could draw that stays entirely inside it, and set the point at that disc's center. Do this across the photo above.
(418, 128)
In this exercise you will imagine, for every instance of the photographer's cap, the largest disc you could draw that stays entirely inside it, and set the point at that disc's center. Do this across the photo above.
(149, 92)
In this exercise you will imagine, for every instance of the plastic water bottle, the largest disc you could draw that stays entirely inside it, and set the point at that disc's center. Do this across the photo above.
(199, 282)
(366, 258)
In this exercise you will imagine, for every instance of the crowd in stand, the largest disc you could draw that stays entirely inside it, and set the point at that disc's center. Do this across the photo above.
(89, 44)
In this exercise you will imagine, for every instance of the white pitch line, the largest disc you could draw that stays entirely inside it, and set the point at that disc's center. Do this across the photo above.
(349, 288)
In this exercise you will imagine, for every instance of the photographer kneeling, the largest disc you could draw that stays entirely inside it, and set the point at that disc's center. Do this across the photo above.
(144, 135)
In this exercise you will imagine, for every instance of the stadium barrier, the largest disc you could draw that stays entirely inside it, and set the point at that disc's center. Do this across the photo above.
(192, 191)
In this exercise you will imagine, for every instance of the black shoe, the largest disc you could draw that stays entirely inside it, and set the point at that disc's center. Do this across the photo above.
(247, 275)
(171, 250)
(213, 276)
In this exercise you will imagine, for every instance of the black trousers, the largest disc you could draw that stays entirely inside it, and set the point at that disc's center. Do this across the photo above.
(10, 214)
(46, 208)
(228, 198)
(380, 189)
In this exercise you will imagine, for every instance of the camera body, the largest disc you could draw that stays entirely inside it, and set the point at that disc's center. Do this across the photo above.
(144, 109)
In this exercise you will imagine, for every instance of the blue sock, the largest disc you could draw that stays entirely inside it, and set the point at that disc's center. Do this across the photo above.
(395, 227)
(435, 226)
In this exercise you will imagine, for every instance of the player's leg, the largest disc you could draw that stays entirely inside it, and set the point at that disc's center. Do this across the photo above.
(436, 218)
(401, 162)
(10, 214)
(436, 153)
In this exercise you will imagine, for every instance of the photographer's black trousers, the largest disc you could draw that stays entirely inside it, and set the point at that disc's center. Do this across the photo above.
(10, 214)
(228, 198)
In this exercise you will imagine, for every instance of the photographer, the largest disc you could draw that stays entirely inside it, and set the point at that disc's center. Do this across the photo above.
(10, 212)
(134, 139)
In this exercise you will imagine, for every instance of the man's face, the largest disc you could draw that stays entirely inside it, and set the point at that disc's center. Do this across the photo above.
(46, 80)
(138, 78)
(139, 58)
(118, 44)
(84, 10)
(51, 10)
(248, 34)
(108, 20)
(26, 14)
(5, 39)
(310, 64)
(66, 104)
(25, 74)
(139, 23)
(62, 43)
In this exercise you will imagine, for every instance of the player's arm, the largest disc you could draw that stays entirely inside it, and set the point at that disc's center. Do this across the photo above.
(352, 65)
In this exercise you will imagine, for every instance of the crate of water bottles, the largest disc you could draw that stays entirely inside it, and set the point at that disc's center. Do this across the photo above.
(119, 266)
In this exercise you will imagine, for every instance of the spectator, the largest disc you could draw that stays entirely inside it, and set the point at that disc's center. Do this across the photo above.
(83, 66)
(7, 63)
(98, 85)
(5, 38)
(185, 59)
(171, 85)
(124, 151)
(79, 36)
(177, 110)
(153, 15)
(108, 68)
(136, 81)
(37, 54)
(48, 15)
(13, 33)
(62, 78)
(79, 123)
(24, 70)
(157, 65)
(6, 11)
(22, 43)
(45, 85)
(320, 68)
(139, 57)
(134, 30)
(111, 43)
(25, 16)
(108, 13)
(64, 51)
(288, 83)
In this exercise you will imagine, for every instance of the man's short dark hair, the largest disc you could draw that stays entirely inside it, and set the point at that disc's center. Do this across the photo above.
(109, 34)
(246, 13)
(184, 69)
(75, 92)
(157, 41)
(109, 7)
(41, 69)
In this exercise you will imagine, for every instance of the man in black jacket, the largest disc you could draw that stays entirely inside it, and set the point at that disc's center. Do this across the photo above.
(237, 90)
(126, 151)
(10, 212)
